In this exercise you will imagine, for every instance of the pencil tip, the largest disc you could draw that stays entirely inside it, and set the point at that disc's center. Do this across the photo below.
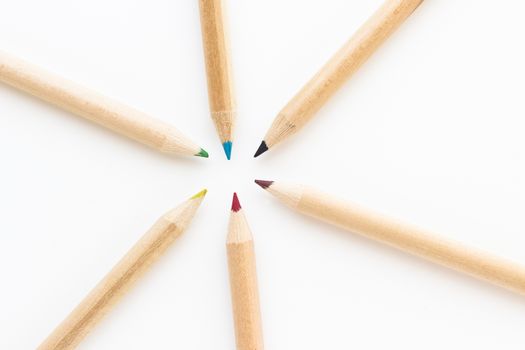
(227, 149)
(264, 183)
(202, 153)
(236, 205)
(200, 194)
(262, 148)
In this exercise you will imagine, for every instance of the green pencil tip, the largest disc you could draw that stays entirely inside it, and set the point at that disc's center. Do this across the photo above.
(202, 153)
(200, 194)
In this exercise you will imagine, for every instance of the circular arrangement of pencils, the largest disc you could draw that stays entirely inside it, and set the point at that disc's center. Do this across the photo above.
(241, 259)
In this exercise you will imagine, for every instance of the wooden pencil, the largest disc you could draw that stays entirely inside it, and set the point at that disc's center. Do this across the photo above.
(121, 278)
(300, 110)
(218, 68)
(243, 281)
(104, 111)
(407, 238)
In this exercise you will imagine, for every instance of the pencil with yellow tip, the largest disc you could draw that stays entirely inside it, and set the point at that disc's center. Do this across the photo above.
(95, 107)
(121, 278)
(407, 238)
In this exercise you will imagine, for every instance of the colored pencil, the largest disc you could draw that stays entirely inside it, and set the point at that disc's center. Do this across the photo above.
(95, 107)
(121, 278)
(218, 68)
(404, 237)
(301, 109)
(243, 281)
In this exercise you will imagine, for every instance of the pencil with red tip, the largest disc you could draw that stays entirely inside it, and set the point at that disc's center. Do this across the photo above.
(243, 281)
(355, 52)
(410, 239)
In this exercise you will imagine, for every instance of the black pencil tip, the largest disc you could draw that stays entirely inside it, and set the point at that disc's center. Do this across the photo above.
(262, 148)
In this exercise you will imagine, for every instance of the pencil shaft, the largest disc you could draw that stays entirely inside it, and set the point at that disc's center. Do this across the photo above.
(93, 106)
(121, 278)
(339, 69)
(245, 295)
(218, 67)
(412, 240)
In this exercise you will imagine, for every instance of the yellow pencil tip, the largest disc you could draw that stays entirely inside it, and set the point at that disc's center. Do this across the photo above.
(200, 194)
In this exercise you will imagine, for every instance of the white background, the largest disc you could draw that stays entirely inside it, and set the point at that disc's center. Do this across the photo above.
(430, 131)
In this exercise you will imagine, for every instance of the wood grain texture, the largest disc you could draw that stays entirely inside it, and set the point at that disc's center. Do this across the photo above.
(121, 278)
(218, 67)
(302, 107)
(243, 283)
(410, 239)
(86, 103)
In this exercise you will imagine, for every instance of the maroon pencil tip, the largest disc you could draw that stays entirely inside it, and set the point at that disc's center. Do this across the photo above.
(236, 205)
(264, 183)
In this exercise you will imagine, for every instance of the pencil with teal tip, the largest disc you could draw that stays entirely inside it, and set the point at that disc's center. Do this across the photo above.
(218, 70)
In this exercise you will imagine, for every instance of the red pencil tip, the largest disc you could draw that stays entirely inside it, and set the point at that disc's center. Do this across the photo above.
(236, 205)
(264, 183)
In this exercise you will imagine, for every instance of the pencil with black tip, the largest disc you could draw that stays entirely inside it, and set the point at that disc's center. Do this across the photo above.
(218, 68)
(301, 108)
(93, 106)
(122, 277)
(243, 281)
(410, 239)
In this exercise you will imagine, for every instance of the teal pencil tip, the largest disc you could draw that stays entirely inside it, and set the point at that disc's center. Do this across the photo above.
(227, 149)
(202, 153)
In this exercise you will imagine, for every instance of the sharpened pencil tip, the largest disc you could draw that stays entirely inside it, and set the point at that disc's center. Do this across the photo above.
(264, 183)
(200, 194)
(228, 149)
(236, 205)
(262, 148)
(202, 153)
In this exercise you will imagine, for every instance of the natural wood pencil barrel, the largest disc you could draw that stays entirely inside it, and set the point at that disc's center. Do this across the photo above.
(405, 237)
(243, 282)
(339, 69)
(121, 278)
(218, 68)
(95, 107)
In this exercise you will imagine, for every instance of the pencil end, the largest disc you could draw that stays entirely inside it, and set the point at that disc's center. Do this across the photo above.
(201, 194)
(262, 148)
(202, 153)
(236, 205)
(227, 149)
(264, 183)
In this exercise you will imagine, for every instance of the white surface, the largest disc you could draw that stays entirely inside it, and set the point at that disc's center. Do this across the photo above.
(430, 131)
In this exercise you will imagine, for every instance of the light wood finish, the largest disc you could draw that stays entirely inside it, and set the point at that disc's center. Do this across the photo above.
(93, 106)
(218, 67)
(243, 282)
(119, 280)
(407, 238)
(339, 69)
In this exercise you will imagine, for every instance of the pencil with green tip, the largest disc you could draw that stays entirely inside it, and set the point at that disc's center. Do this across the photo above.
(323, 85)
(410, 239)
(218, 70)
(122, 277)
(95, 107)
